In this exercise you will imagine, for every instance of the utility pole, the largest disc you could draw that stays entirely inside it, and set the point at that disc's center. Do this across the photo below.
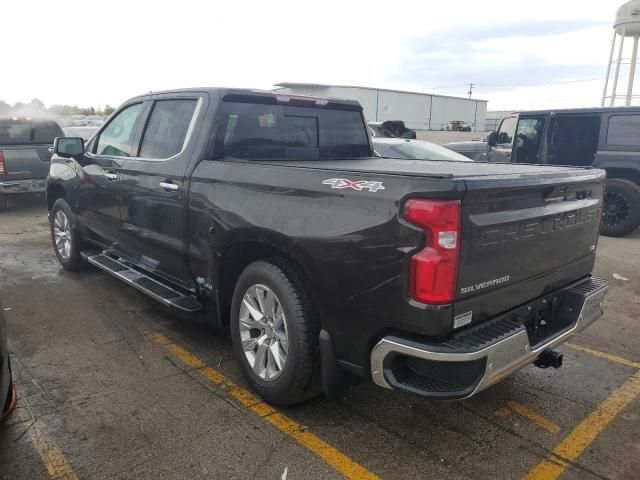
(471, 85)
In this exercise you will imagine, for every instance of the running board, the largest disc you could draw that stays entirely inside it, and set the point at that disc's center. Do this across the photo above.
(150, 286)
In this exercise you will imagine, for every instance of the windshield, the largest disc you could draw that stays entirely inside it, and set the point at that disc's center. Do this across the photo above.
(258, 131)
(23, 131)
(417, 150)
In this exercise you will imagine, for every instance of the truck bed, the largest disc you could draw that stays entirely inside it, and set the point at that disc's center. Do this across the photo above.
(437, 169)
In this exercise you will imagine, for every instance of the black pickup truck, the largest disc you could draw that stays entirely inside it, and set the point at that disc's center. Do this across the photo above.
(270, 213)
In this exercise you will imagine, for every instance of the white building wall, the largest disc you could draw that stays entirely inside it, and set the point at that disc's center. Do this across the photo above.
(446, 109)
(411, 108)
(418, 110)
(366, 97)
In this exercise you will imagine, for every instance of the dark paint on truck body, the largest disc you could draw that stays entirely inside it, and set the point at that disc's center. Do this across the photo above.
(7, 395)
(357, 254)
(353, 246)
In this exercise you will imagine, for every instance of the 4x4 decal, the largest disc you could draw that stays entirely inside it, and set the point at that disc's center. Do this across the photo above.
(358, 185)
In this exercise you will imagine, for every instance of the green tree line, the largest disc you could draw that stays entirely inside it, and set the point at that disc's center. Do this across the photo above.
(36, 106)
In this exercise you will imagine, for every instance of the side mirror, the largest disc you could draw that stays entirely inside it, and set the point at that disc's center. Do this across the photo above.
(492, 138)
(68, 147)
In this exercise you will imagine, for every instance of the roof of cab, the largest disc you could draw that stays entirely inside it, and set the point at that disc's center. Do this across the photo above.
(223, 91)
(581, 110)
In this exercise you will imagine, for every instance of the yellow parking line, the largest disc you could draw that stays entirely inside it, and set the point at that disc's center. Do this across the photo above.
(334, 458)
(606, 356)
(57, 465)
(534, 417)
(575, 443)
(503, 412)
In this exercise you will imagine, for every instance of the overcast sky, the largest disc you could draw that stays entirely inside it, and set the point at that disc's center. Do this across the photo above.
(92, 53)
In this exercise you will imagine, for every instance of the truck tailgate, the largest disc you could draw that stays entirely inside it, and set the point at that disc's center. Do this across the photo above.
(524, 237)
(22, 162)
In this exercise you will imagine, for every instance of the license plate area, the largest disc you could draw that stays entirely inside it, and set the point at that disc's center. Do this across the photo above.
(542, 320)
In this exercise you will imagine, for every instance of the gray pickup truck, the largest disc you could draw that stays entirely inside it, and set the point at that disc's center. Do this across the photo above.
(24, 155)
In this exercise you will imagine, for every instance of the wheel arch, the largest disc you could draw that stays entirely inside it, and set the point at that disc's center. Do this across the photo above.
(242, 253)
(54, 192)
(630, 174)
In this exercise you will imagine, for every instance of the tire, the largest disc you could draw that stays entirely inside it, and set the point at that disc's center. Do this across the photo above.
(12, 397)
(621, 210)
(3, 202)
(297, 376)
(68, 255)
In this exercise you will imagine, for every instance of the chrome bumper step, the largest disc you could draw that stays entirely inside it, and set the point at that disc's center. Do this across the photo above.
(144, 283)
(484, 354)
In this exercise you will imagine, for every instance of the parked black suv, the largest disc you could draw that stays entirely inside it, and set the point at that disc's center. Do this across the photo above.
(271, 213)
(390, 129)
(607, 138)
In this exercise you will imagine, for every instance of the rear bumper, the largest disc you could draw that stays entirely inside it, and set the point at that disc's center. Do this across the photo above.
(483, 355)
(23, 186)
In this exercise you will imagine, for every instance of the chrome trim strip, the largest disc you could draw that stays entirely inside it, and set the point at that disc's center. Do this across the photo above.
(23, 186)
(187, 138)
(503, 357)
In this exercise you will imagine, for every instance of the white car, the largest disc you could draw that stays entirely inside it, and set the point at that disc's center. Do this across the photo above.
(414, 149)
(85, 132)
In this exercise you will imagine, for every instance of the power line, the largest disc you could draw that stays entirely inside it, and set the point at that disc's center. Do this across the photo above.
(559, 82)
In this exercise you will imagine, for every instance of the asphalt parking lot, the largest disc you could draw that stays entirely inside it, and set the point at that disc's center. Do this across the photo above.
(112, 386)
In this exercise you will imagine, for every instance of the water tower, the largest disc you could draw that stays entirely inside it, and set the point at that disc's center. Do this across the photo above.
(627, 24)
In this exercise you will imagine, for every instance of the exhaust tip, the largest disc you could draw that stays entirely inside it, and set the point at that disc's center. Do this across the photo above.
(549, 358)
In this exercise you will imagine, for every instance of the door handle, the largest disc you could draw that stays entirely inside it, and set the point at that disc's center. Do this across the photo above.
(168, 186)
(111, 176)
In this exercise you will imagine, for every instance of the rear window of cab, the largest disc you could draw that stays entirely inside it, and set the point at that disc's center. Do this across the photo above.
(261, 131)
(25, 131)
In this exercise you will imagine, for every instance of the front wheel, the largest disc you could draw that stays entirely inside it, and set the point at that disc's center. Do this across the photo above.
(275, 333)
(621, 209)
(65, 236)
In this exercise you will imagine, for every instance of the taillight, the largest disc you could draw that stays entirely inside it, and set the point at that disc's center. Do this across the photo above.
(434, 269)
(2, 172)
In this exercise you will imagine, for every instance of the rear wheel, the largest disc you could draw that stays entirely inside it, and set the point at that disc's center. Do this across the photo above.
(621, 209)
(64, 236)
(3, 202)
(274, 333)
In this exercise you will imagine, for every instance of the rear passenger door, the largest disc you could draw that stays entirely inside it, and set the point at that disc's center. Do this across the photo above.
(153, 183)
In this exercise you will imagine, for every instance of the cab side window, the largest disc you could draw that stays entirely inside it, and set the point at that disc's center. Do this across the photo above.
(623, 130)
(117, 137)
(167, 128)
(507, 130)
(528, 139)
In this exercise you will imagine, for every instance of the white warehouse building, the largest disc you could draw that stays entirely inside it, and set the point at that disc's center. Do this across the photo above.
(420, 111)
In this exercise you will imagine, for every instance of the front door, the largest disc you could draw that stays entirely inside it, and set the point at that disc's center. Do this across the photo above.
(501, 152)
(529, 138)
(154, 185)
(101, 182)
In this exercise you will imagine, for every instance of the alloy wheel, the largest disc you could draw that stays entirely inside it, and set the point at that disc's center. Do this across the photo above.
(616, 208)
(62, 234)
(263, 332)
